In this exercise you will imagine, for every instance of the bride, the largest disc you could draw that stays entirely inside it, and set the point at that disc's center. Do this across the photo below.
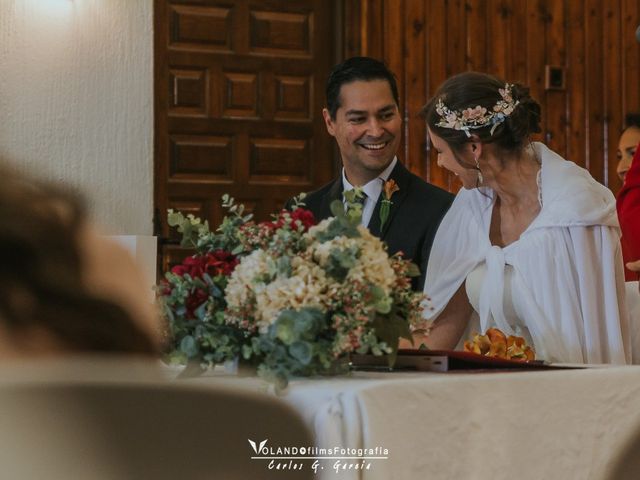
(531, 244)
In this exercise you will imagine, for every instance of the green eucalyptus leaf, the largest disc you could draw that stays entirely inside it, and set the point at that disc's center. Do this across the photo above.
(283, 328)
(174, 219)
(337, 208)
(384, 305)
(283, 266)
(301, 351)
(189, 346)
(247, 351)
(413, 270)
(201, 311)
(389, 329)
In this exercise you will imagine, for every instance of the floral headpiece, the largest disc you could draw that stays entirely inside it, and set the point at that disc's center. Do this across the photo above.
(477, 117)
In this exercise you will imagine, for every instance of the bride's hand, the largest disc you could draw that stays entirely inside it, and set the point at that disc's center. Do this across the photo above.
(634, 266)
(419, 339)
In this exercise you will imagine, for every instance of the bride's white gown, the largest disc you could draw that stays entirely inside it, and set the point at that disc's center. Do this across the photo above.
(563, 278)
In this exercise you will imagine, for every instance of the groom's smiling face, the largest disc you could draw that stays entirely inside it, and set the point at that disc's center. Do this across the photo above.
(367, 128)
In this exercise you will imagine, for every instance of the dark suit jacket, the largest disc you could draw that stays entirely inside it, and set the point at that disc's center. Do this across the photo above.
(414, 216)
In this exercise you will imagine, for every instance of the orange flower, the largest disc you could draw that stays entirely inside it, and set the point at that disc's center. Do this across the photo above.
(496, 335)
(494, 343)
(479, 345)
(390, 187)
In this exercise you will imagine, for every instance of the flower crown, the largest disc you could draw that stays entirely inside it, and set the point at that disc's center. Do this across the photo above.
(477, 117)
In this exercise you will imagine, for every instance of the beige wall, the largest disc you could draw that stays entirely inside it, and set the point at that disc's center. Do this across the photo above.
(76, 101)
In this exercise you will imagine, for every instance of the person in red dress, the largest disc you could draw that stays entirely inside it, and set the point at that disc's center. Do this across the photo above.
(628, 201)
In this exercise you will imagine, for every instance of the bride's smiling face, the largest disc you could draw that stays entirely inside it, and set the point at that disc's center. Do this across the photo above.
(447, 159)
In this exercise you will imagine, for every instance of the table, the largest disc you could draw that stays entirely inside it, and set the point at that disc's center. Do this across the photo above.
(526, 425)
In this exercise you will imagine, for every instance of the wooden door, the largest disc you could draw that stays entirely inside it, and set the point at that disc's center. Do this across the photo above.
(239, 89)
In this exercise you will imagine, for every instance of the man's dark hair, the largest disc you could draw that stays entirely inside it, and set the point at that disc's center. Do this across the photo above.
(357, 68)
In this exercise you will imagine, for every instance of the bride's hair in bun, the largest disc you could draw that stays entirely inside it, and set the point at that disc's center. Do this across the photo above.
(511, 114)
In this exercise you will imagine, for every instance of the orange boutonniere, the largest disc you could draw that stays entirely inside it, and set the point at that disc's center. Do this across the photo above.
(388, 189)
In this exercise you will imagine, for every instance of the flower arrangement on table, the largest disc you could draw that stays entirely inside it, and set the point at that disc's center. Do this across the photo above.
(288, 296)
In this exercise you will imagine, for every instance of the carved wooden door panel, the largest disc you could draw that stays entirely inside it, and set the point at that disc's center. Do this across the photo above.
(239, 88)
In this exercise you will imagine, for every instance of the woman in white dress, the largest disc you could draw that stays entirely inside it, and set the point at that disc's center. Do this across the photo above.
(531, 244)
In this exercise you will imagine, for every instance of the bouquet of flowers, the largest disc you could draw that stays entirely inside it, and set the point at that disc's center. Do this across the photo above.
(289, 296)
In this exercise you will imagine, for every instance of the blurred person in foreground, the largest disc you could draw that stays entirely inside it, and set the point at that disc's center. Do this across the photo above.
(531, 244)
(65, 289)
(628, 202)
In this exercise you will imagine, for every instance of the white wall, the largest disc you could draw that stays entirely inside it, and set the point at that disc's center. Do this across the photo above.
(76, 101)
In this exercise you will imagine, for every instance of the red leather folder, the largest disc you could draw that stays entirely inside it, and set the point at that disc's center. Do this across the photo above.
(445, 361)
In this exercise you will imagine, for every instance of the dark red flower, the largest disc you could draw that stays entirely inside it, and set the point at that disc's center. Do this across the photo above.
(220, 262)
(165, 288)
(195, 299)
(304, 216)
(214, 263)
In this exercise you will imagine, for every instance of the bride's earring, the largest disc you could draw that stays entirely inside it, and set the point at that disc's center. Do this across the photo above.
(480, 179)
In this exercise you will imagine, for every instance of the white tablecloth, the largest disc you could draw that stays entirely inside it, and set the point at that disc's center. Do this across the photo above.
(525, 425)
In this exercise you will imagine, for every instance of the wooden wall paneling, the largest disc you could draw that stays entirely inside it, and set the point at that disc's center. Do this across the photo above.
(393, 46)
(394, 56)
(536, 54)
(351, 28)
(373, 17)
(612, 91)
(415, 57)
(594, 88)
(555, 110)
(516, 39)
(456, 57)
(477, 45)
(437, 37)
(631, 56)
(517, 71)
(499, 39)
(575, 82)
(456, 37)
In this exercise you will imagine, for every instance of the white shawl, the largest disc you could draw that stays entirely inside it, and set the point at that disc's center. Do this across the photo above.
(567, 266)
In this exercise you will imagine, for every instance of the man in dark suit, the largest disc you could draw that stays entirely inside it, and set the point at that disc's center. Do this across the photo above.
(362, 114)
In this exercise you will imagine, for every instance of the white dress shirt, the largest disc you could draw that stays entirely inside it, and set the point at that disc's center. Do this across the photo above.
(372, 189)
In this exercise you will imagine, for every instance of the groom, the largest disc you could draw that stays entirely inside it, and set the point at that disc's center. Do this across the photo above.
(362, 114)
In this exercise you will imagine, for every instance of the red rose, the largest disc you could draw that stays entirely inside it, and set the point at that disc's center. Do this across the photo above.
(194, 300)
(179, 270)
(304, 216)
(276, 224)
(215, 263)
(220, 262)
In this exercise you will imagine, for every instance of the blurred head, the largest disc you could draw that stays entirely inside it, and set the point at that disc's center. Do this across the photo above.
(627, 144)
(53, 299)
(477, 95)
(362, 115)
